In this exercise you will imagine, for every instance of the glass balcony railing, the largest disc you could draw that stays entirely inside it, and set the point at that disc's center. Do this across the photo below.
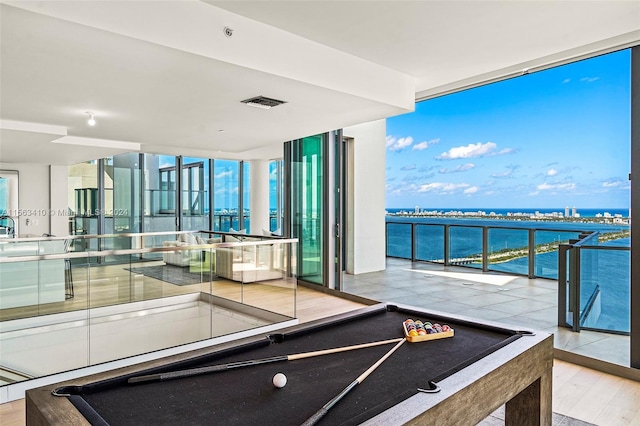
(465, 246)
(400, 240)
(595, 284)
(429, 242)
(522, 251)
(157, 291)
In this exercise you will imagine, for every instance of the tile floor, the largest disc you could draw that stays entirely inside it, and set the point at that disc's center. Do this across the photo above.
(492, 296)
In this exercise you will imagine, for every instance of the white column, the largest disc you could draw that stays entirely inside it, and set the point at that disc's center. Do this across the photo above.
(366, 193)
(259, 202)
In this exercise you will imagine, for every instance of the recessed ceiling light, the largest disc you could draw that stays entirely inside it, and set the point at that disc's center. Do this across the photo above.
(91, 121)
(221, 130)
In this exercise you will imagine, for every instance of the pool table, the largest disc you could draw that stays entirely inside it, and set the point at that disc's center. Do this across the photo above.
(456, 380)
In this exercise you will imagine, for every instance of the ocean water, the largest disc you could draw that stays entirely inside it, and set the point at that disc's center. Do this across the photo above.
(607, 270)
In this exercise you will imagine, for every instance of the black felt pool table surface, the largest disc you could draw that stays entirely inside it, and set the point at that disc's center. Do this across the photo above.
(246, 396)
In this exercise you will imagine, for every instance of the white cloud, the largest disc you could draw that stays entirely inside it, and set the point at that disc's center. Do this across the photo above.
(222, 175)
(273, 175)
(223, 190)
(458, 169)
(589, 79)
(504, 151)
(425, 144)
(566, 80)
(471, 190)
(556, 187)
(623, 184)
(502, 175)
(473, 150)
(552, 172)
(401, 189)
(420, 146)
(408, 167)
(398, 144)
(443, 188)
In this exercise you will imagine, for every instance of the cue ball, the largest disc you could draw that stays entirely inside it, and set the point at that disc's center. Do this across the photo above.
(279, 380)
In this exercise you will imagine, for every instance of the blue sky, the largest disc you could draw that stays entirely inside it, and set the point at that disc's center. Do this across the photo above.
(549, 139)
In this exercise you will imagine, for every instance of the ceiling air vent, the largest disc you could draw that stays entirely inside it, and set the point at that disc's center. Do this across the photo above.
(263, 102)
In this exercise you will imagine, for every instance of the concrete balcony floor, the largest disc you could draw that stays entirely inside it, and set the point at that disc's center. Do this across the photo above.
(492, 296)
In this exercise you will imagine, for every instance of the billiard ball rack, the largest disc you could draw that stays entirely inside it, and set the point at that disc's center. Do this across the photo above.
(420, 337)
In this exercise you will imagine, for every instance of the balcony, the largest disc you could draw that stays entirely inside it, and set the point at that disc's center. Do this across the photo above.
(492, 296)
(510, 275)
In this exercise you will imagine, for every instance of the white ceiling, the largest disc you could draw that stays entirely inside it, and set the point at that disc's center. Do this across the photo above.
(162, 76)
(440, 42)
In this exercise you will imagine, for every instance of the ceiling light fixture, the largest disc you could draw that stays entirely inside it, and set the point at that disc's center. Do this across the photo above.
(91, 121)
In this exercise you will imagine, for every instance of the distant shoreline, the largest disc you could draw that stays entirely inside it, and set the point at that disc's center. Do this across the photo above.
(602, 218)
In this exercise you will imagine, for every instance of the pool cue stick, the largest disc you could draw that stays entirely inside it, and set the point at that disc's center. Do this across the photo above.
(326, 407)
(213, 368)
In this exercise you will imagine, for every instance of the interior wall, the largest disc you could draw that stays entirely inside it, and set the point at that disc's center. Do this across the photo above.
(366, 205)
(33, 198)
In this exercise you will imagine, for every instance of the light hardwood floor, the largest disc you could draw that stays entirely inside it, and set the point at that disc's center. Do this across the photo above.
(115, 284)
(578, 392)
(595, 397)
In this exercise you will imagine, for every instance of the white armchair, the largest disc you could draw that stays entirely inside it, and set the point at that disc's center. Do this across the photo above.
(178, 257)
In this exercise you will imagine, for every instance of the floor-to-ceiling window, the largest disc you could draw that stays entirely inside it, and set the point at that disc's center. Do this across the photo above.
(136, 192)
(635, 206)
(126, 193)
(276, 199)
(307, 201)
(195, 193)
(107, 182)
(551, 148)
(225, 186)
(160, 193)
(246, 195)
(82, 195)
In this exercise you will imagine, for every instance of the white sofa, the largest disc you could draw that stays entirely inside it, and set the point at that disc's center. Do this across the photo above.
(249, 264)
